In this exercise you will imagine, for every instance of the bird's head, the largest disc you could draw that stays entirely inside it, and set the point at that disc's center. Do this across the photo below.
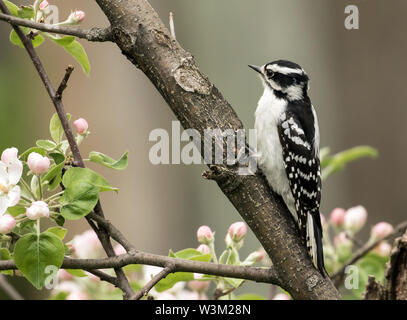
(287, 79)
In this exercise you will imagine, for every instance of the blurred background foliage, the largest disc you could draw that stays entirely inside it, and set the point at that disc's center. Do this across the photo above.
(357, 87)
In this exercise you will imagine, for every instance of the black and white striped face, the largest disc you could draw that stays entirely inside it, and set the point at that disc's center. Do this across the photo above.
(287, 79)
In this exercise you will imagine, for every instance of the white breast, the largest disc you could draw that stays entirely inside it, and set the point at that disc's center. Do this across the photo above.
(269, 151)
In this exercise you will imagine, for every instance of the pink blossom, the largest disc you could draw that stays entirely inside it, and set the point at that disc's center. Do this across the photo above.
(78, 295)
(43, 5)
(87, 245)
(37, 210)
(381, 230)
(355, 218)
(204, 249)
(64, 275)
(75, 17)
(198, 285)
(237, 231)
(9, 155)
(205, 235)
(7, 223)
(81, 125)
(281, 296)
(37, 163)
(382, 249)
(337, 217)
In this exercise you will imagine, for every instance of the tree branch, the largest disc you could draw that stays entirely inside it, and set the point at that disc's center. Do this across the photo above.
(94, 34)
(146, 289)
(198, 104)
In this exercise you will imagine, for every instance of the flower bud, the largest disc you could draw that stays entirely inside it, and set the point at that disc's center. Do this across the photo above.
(37, 210)
(237, 231)
(355, 218)
(281, 296)
(381, 230)
(204, 249)
(205, 235)
(383, 249)
(337, 217)
(64, 275)
(81, 125)
(198, 285)
(343, 246)
(76, 17)
(43, 5)
(253, 258)
(37, 163)
(9, 155)
(87, 245)
(7, 223)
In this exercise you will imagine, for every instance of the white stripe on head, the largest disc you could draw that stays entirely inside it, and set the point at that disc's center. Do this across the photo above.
(284, 70)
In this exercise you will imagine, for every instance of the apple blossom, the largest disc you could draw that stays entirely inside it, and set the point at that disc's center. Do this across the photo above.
(37, 163)
(355, 218)
(81, 125)
(205, 235)
(382, 249)
(204, 249)
(337, 217)
(198, 285)
(10, 175)
(37, 210)
(381, 230)
(7, 223)
(254, 257)
(237, 231)
(74, 18)
(43, 5)
(281, 296)
(87, 245)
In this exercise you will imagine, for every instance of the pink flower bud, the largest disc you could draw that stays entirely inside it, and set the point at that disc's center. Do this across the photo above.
(382, 249)
(342, 240)
(37, 163)
(76, 17)
(381, 230)
(204, 249)
(237, 231)
(254, 257)
(337, 217)
(9, 155)
(64, 275)
(81, 125)
(37, 210)
(281, 296)
(199, 286)
(7, 223)
(87, 245)
(205, 235)
(355, 218)
(43, 5)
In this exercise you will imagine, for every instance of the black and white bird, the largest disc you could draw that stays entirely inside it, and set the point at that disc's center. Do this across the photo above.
(288, 148)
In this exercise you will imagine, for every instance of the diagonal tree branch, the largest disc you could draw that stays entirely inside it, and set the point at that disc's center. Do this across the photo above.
(198, 104)
(94, 34)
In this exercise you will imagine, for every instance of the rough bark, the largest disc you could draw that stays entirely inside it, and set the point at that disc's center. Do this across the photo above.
(145, 41)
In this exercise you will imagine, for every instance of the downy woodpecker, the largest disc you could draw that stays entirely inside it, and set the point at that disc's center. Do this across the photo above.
(288, 148)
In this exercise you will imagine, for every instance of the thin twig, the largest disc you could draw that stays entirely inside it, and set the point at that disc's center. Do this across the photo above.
(94, 34)
(172, 26)
(9, 289)
(103, 276)
(337, 276)
(146, 289)
(64, 82)
(78, 161)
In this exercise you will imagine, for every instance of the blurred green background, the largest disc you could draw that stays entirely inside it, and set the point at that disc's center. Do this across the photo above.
(357, 87)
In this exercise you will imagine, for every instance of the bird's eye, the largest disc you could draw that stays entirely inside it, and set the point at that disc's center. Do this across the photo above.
(270, 74)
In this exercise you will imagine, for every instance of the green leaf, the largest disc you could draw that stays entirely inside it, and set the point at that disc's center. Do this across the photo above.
(12, 7)
(337, 162)
(75, 49)
(64, 41)
(58, 231)
(106, 161)
(54, 175)
(16, 210)
(88, 176)
(26, 153)
(15, 39)
(60, 220)
(55, 127)
(34, 253)
(77, 272)
(78, 200)
(250, 296)
(46, 144)
(5, 255)
(26, 12)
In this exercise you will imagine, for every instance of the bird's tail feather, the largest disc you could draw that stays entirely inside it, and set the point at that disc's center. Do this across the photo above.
(314, 241)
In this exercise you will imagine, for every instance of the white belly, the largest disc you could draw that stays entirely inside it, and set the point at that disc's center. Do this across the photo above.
(269, 152)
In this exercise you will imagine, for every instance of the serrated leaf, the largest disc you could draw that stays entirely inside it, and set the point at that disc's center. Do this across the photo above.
(78, 200)
(46, 144)
(75, 49)
(34, 253)
(55, 127)
(12, 7)
(106, 161)
(58, 231)
(15, 39)
(88, 176)
(26, 153)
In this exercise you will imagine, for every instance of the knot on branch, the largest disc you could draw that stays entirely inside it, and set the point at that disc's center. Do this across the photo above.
(227, 178)
(100, 34)
(124, 39)
(189, 78)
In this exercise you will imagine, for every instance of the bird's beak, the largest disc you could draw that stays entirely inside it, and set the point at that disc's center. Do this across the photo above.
(256, 68)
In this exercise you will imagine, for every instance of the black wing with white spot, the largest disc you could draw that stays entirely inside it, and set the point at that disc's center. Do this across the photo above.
(304, 175)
